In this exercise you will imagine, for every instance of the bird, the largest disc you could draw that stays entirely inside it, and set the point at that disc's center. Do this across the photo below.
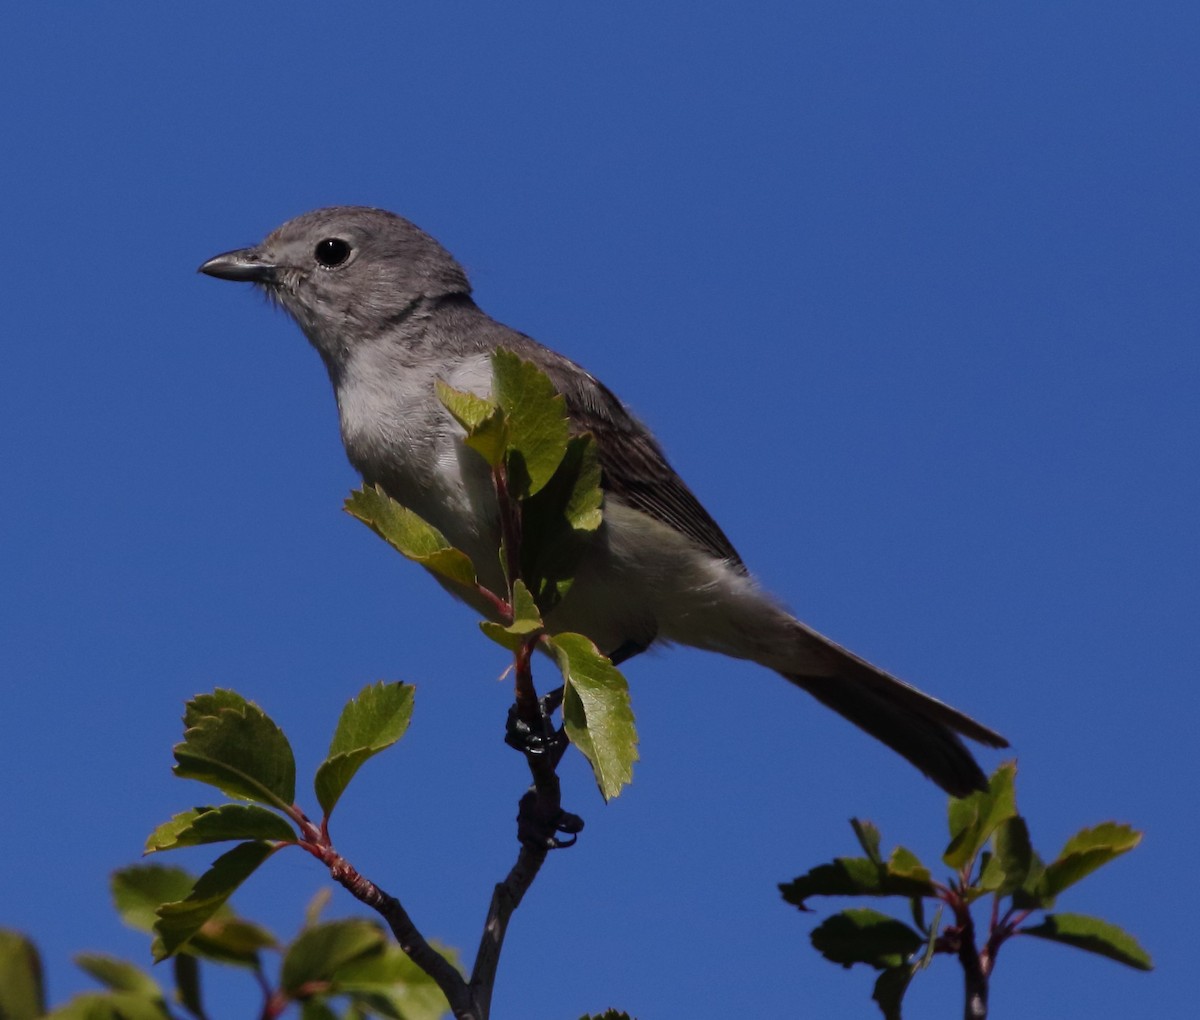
(390, 312)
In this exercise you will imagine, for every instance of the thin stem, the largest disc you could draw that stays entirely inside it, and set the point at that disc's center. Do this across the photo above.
(409, 938)
(975, 978)
(506, 898)
(510, 524)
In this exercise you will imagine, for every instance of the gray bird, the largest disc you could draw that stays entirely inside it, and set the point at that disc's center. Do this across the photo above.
(390, 312)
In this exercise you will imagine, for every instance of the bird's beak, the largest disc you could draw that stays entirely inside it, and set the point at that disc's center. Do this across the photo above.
(246, 265)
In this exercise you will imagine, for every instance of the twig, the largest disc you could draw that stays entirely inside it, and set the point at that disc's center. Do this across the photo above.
(506, 898)
(409, 938)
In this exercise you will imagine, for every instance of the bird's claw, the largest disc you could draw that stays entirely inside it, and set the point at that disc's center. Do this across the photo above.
(539, 824)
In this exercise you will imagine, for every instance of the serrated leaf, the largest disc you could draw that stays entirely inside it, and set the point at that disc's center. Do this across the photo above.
(117, 974)
(180, 921)
(1086, 851)
(889, 990)
(187, 984)
(370, 723)
(1094, 935)
(203, 705)
(865, 936)
(868, 839)
(559, 522)
(974, 818)
(485, 423)
(468, 409)
(111, 1006)
(217, 824)
(596, 712)
(538, 430)
(22, 991)
(243, 753)
(319, 952)
(410, 535)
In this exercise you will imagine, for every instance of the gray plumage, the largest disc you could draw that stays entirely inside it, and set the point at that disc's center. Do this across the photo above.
(390, 312)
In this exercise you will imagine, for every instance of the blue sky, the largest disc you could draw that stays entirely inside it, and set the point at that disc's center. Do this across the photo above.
(909, 294)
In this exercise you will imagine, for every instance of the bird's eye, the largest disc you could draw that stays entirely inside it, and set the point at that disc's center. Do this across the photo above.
(332, 252)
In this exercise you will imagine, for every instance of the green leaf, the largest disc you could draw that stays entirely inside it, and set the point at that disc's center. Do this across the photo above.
(1030, 895)
(111, 1006)
(316, 1008)
(485, 423)
(596, 711)
(370, 723)
(905, 870)
(180, 921)
(318, 953)
(1086, 851)
(118, 975)
(866, 936)
(217, 824)
(527, 621)
(538, 430)
(889, 990)
(226, 938)
(526, 618)
(902, 875)
(22, 993)
(187, 985)
(468, 409)
(203, 705)
(1094, 935)
(844, 876)
(243, 753)
(1012, 857)
(410, 535)
(974, 818)
(560, 521)
(139, 891)
(868, 838)
(504, 637)
(389, 984)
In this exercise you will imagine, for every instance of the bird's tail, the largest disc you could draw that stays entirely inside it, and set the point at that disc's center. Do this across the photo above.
(922, 729)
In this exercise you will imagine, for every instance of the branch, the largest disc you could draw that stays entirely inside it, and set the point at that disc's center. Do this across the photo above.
(506, 898)
(976, 981)
(409, 938)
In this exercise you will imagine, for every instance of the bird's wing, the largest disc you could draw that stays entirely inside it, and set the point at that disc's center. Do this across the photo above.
(632, 463)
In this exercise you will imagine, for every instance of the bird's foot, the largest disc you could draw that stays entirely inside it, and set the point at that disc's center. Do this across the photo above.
(537, 737)
(541, 822)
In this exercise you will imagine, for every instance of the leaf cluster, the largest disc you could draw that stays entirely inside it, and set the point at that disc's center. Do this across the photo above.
(990, 855)
(549, 504)
(345, 968)
(233, 745)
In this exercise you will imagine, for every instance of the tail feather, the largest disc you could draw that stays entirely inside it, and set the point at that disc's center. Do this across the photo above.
(913, 724)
